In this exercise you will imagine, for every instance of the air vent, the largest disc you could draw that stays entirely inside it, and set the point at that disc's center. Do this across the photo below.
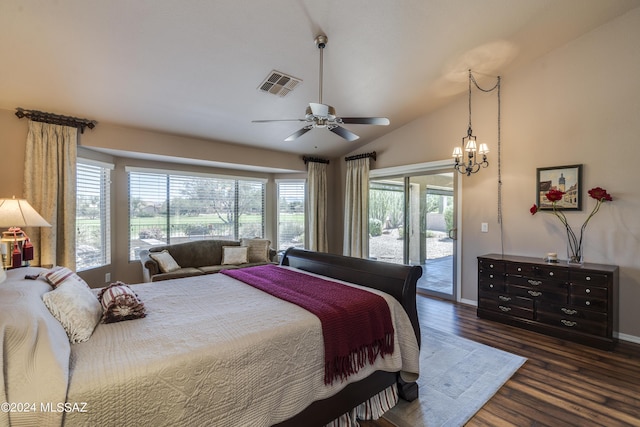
(279, 84)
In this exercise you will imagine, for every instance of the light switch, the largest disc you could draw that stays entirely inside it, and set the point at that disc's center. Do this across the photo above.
(484, 227)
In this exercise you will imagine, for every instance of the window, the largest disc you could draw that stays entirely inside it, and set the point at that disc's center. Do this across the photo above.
(291, 219)
(93, 217)
(172, 208)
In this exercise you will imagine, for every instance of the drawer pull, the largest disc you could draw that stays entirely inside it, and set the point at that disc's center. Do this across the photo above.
(491, 286)
(491, 276)
(588, 278)
(503, 308)
(568, 323)
(503, 298)
(588, 290)
(490, 265)
(519, 269)
(569, 311)
(587, 303)
(551, 273)
(534, 282)
(534, 293)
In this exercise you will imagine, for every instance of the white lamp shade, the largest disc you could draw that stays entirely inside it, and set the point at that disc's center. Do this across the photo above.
(483, 149)
(19, 213)
(457, 152)
(471, 146)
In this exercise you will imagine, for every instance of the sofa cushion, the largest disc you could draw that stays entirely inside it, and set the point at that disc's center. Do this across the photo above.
(258, 249)
(183, 272)
(234, 255)
(165, 261)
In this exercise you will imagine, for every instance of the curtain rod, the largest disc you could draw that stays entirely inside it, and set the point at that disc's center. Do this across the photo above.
(56, 119)
(314, 159)
(361, 156)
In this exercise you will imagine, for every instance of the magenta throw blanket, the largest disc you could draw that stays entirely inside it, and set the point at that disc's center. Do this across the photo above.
(356, 324)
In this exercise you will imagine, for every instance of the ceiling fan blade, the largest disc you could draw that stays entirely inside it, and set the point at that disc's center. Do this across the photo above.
(278, 120)
(348, 135)
(298, 133)
(382, 121)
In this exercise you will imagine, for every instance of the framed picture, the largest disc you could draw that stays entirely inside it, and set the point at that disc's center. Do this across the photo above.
(567, 179)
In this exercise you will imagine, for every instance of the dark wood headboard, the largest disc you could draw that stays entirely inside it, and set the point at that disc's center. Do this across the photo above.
(397, 280)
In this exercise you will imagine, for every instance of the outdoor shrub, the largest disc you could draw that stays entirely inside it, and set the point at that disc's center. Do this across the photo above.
(375, 227)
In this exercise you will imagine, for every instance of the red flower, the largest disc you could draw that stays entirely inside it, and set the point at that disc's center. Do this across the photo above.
(600, 193)
(575, 243)
(554, 195)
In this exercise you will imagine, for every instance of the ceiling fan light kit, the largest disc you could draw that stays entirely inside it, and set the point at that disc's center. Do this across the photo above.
(319, 115)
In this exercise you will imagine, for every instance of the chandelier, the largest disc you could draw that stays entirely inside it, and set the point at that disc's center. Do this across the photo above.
(467, 156)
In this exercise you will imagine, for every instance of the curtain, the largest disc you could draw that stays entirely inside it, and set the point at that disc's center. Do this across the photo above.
(317, 206)
(356, 209)
(50, 187)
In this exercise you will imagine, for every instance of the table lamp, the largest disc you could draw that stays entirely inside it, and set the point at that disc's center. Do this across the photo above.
(14, 214)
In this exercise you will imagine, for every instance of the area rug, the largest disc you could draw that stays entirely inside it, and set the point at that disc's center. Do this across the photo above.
(457, 377)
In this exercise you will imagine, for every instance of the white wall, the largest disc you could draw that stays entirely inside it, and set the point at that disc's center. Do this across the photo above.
(579, 104)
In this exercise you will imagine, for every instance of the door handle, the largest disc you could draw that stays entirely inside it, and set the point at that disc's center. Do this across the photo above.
(453, 234)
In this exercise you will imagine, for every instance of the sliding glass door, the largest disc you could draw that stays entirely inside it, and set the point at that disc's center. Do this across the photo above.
(412, 221)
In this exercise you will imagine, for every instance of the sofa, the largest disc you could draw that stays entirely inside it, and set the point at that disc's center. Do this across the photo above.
(200, 257)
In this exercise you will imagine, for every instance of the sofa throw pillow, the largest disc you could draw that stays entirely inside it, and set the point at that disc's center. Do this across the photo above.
(234, 255)
(59, 274)
(258, 249)
(120, 303)
(76, 308)
(165, 261)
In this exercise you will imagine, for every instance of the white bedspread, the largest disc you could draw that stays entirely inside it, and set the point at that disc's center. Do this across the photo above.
(212, 351)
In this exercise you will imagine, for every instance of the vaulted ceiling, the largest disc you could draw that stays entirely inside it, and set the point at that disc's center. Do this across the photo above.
(194, 67)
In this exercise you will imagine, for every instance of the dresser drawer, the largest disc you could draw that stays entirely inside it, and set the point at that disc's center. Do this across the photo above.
(537, 283)
(590, 278)
(537, 294)
(489, 265)
(542, 271)
(582, 325)
(590, 303)
(491, 285)
(517, 307)
(588, 291)
(571, 312)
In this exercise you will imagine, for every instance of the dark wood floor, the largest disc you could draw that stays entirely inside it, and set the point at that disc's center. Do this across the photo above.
(561, 384)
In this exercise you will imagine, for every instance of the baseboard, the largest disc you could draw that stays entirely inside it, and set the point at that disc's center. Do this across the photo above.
(629, 338)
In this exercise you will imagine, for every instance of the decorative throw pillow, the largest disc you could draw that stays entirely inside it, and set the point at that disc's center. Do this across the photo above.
(258, 249)
(165, 261)
(120, 303)
(234, 255)
(76, 308)
(59, 274)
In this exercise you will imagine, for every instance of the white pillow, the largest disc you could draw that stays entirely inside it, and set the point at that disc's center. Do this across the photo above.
(234, 255)
(258, 249)
(165, 261)
(76, 308)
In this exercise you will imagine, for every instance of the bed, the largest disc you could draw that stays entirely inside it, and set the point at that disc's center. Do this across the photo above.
(211, 351)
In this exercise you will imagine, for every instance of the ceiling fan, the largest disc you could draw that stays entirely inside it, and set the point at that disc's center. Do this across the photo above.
(319, 115)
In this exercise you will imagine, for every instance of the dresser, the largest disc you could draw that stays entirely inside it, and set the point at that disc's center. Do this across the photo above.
(576, 303)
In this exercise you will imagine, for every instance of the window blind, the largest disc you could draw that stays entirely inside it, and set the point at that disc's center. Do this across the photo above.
(93, 216)
(291, 214)
(171, 208)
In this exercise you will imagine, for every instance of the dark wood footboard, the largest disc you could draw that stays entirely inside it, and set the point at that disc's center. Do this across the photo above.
(398, 281)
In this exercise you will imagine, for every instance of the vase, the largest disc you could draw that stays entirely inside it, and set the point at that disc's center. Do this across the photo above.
(574, 255)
